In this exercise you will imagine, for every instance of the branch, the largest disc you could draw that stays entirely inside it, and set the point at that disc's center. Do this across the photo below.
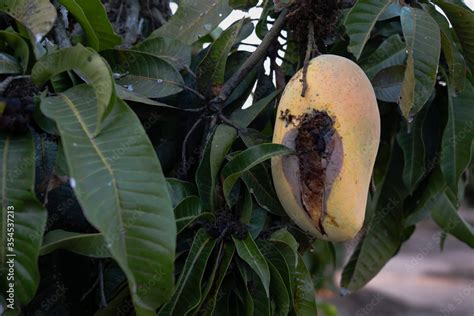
(253, 60)
(309, 51)
(131, 22)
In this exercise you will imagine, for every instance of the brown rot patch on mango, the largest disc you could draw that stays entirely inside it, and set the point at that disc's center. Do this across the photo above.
(320, 154)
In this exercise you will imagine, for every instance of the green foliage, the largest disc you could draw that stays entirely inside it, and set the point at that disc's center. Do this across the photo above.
(86, 176)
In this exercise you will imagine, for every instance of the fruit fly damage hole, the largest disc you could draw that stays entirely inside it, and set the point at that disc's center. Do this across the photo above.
(319, 151)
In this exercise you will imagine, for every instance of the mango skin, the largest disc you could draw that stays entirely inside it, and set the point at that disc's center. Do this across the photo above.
(339, 87)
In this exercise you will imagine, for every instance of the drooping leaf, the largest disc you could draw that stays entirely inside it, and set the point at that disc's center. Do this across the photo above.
(245, 208)
(423, 40)
(187, 211)
(279, 291)
(214, 155)
(462, 20)
(188, 290)
(393, 10)
(37, 16)
(390, 53)
(259, 183)
(124, 197)
(361, 20)
(92, 16)
(448, 218)
(194, 19)
(144, 74)
(128, 95)
(23, 219)
(14, 44)
(89, 65)
(383, 235)
(243, 117)
(171, 50)
(91, 245)
(259, 299)
(247, 159)
(451, 49)
(211, 70)
(304, 300)
(209, 304)
(179, 190)
(456, 149)
(410, 139)
(9, 65)
(249, 252)
(388, 83)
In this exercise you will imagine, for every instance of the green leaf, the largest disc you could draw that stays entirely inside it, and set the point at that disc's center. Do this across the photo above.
(15, 45)
(144, 74)
(91, 245)
(214, 155)
(410, 139)
(243, 117)
(388, 83)
(278, 291)
(37, 16)
(257, 301)
(209, 305)
(9, 65)
(194, 19)
(211, 70)
(427, 201)
(457, 144)
(246, 208)
(187, 211)
(257, 222)
(393, 10)
(179, 190)
(188, 290)
(382, 236)
(259, 183)
(248, 159)
(390, 53)
(451, 49)
(89, 65)
(249, 252)
(361, 20)
(118, 181)
(304, 296)
(127, 95)
(446, 216)
(423, 40)
(20, 209)
(75, 9)
(462, 20)
(171, 50)
(92, 16)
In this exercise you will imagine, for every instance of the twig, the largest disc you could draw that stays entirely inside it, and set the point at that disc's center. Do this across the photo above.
(119, 14)
(185, 143)
(253, 60)
(187, 88)
(224, 119)
(309, 51)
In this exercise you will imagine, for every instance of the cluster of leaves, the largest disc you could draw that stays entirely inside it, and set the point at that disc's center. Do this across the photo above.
(112, 206)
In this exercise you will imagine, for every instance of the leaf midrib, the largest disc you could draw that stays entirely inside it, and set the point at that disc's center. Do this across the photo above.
(90, 137)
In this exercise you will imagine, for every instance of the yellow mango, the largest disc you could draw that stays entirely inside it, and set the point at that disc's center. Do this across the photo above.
(335, 131)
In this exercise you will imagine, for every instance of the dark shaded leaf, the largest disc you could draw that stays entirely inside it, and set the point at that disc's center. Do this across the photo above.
(423, 40)
(188, 290)
(391, 52)
(171, 50)
(361, 20)
(194, 19)
(388, 83)
(91, 245)
(14, 44)
(249, 252)
(304, 296)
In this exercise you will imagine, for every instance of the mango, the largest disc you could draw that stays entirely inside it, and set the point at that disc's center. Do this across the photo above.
(335, 132)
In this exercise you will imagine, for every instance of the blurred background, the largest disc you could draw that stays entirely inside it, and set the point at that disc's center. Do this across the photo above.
(422, 280)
